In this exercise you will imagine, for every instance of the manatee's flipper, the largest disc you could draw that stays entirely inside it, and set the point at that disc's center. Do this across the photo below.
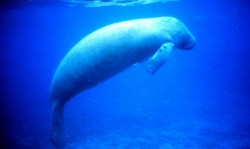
(159, 58)
(57, 132)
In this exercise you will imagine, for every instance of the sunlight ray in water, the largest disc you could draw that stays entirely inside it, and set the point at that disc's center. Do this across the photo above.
(99, 3)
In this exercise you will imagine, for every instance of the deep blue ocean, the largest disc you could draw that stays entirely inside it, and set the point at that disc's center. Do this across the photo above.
(199, 99)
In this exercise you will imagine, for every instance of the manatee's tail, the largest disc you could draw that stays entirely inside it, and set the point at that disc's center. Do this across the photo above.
(57, 132)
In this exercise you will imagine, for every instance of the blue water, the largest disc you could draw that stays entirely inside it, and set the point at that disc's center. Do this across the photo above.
(199, 99)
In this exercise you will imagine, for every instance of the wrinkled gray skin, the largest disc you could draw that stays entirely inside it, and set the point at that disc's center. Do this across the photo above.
(108, 51)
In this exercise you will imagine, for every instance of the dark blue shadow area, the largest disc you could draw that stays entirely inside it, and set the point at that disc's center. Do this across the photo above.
(199, 99)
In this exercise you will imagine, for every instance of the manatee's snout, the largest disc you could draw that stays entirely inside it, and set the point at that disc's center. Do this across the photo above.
(189, 42)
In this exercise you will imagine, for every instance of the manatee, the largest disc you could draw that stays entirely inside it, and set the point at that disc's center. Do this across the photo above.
(108, 51)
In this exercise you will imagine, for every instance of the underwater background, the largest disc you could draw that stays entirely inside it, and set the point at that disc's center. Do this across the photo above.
(198, 99)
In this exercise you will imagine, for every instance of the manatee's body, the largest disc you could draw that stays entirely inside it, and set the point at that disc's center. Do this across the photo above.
(107, 52)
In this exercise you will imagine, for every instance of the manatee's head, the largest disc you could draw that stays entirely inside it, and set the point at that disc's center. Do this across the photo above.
(180, 35)
(187, 42)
